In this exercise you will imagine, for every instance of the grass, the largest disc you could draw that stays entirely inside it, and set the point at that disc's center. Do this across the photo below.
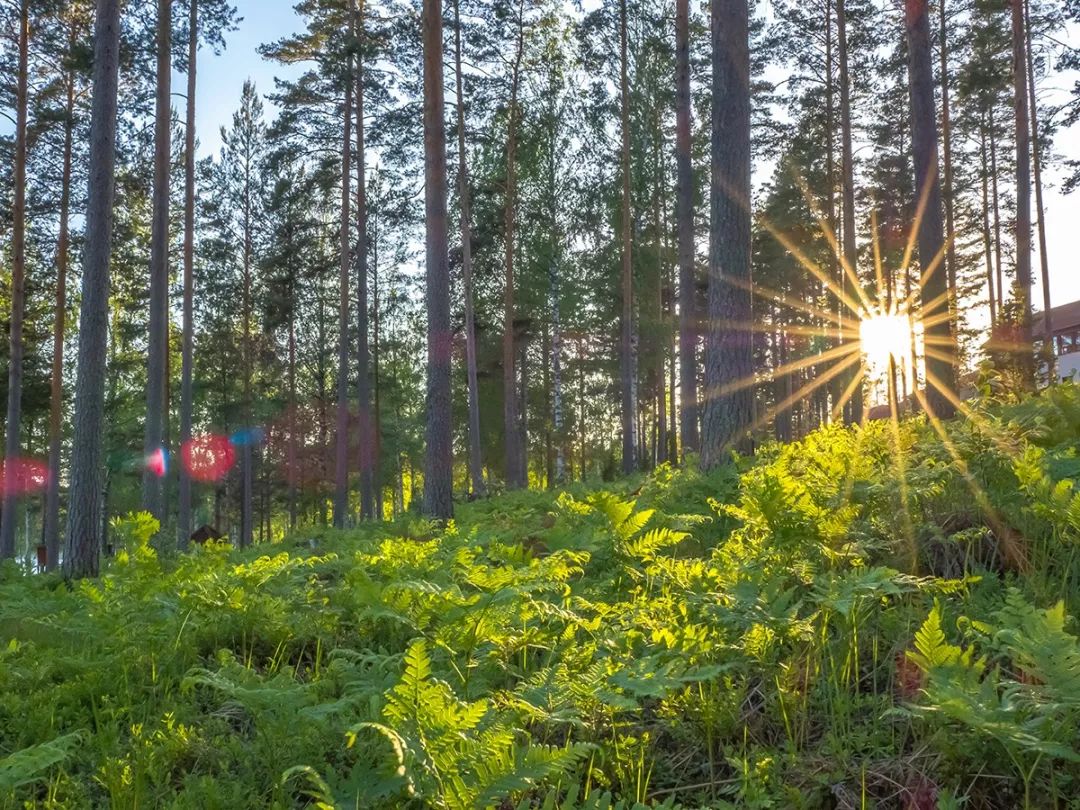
(787, 632)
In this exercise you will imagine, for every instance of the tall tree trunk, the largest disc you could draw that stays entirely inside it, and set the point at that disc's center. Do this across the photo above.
(555, 298)
(688, 416)
(821, 393)
(247, 448)
(1023, 193)
(56, 398)
(438, 462)
(581, 406)
(341, 466)
(1036, 162)
(853, 410)
(366, 434)
(626, 348)
(999, 272)
(85, 514)
(941, 381)
(947, 167)
(476, 464)
(659, 339)
(290, 464)
(18, 276)
(156, 370)
(729, 345)
(377, 418)
(187, 349)
(523, 399)
(987, 251)
(516, 474)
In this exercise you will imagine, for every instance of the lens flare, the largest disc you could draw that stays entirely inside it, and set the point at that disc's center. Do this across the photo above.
(158, 462)
(208, 458)
(885, 336)
(247, 436)
(23, 476)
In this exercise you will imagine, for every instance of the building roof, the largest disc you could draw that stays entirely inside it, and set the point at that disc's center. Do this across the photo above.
(1065, 316)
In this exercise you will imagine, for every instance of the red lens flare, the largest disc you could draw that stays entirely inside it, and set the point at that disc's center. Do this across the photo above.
(158, 462)
(23, 476)
(208, 458)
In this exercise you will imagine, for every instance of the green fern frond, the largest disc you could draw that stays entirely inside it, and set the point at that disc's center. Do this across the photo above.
(29, 764)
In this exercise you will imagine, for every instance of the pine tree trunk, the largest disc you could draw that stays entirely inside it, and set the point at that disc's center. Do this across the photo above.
(366, 434)
(987, 250)
(51, 528)
(516, 477)
(156, 371)
(626, 349)
(853, 410)
(688, 417)
(1023, 194)
(247, 449)
(729, 346)
(947, 166)
(941, 381)
(821, 393)
(187, 350)
(8, 514)
(438, 464)
(554, 302)
(476, 464)
(341, 458)
(377, 417)
(999, 271)
(290, 465)
(658, 340)
(85, 513)
(581, 407)
(1036, 162)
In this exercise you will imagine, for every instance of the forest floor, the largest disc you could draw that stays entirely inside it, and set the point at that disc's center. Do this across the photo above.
(870, 617)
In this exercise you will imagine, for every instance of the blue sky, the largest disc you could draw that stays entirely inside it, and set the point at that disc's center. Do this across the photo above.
(221, 76)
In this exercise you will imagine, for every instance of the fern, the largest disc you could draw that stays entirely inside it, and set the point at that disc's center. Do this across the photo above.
(29, 764)
(932, 651)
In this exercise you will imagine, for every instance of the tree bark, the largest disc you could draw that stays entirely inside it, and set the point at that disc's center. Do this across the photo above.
(987, 250)
(366, 432)
(516, 474)
(626, 348)
(729, 346)
(476, 464)
(438, 461)
(688, 416)
(554, 298)
(187, 348)
(18, 295)
(1023, 194)
(931, 240)
(156, 369)
(947, 166)
(290, 464)
(853, 410)
(1036, 162)
(247, 449)
(51, 527)
(84, 528)
(341, 458)
(999, 265)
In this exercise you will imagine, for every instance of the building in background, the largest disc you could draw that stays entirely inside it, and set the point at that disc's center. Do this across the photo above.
(1065, 334)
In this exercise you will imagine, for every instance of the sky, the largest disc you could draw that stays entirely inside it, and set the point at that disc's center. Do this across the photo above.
(222, 76)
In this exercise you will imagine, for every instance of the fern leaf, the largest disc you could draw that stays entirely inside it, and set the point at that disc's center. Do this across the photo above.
(28, 764)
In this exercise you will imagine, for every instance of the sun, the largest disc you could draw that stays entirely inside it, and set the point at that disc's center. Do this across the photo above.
(884, 336)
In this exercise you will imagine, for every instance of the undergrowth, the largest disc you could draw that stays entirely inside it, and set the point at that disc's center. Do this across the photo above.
(865, 618)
